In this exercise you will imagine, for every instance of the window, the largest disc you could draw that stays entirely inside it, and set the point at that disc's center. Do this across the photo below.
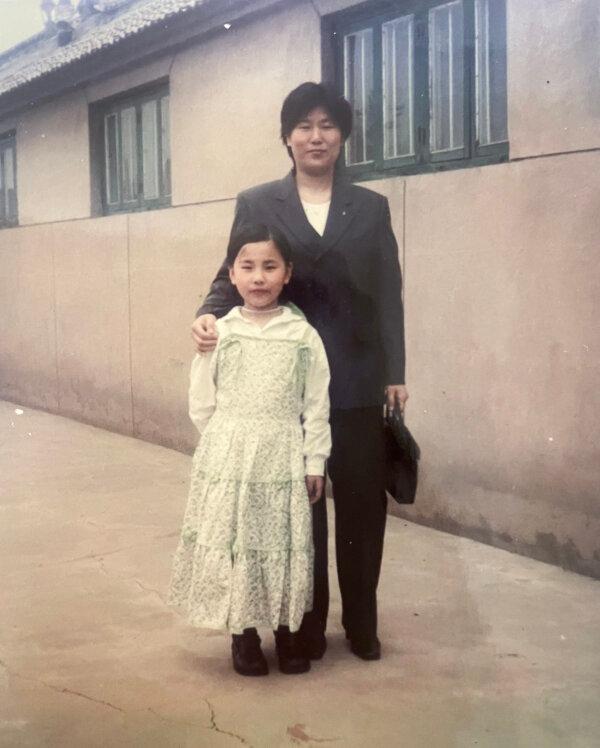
(427, 84)
(8, 180)
(130, 151)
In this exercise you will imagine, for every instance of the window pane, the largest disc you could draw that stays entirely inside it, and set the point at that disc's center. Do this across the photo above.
(446, 77)
(165, 141)
(490, 71)
(398, 126)
(129, 154)
(358, 89)
(10, 193)
(111, 159)
(150, 149)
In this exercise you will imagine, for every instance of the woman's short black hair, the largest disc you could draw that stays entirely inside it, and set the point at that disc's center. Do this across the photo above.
(250, 233)
(308, 96)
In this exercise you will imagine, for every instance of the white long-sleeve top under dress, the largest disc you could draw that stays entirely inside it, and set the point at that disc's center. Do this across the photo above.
(261, 404)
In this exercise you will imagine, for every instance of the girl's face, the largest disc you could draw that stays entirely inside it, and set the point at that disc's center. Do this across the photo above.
(259, 273)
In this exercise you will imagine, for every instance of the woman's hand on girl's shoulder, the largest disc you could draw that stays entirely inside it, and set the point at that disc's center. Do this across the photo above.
(314, 487)
(204, 333)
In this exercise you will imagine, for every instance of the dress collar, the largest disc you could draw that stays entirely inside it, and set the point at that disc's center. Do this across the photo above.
(288, 313)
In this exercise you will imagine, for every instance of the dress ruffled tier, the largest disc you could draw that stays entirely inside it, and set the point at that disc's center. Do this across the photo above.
(245, 555)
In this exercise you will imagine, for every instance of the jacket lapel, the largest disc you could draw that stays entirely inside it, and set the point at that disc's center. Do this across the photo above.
(341, 213)
(290, 211)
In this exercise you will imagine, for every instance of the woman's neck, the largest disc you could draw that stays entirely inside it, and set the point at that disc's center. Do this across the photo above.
(314, 188)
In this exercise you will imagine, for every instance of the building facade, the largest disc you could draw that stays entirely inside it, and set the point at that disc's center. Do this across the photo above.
(128, 128)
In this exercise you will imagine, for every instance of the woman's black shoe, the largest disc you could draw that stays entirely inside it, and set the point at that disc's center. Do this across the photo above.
(366, 649)
(290, 652)
(247, 655)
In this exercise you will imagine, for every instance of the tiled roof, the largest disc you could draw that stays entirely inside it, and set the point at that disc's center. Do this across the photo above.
(40, 55)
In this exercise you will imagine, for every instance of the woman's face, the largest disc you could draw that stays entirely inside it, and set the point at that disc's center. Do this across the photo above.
(315, 142)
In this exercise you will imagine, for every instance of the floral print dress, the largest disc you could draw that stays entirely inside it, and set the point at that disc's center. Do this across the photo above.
(245, 556)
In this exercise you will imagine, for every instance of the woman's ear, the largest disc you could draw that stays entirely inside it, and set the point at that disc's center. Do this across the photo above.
(288, 273)
(232, 276)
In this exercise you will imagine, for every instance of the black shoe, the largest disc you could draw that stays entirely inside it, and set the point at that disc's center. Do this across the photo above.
(314, 646)
(290, 652)
(247, 655)
(366, 649)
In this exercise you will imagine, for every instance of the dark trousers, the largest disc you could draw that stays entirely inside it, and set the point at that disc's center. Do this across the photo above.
(356, 471)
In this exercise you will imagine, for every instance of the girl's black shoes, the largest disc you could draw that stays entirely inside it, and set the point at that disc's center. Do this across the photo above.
(290, 652)
(314, 646)
(247, 655)
(248, 658)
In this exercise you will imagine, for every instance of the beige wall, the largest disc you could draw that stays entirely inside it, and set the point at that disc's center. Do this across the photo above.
(225, 100)
(95, 316)
(27, 319)
(92, 320)
(173, 258)
(553, 76)
(500, 266)
(502, 307)
(53, 170)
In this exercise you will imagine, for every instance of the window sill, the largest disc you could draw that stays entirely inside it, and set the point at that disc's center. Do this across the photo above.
(134, 209)
(363, 173)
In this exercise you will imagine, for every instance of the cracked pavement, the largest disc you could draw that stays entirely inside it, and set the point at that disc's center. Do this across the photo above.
(481, 647)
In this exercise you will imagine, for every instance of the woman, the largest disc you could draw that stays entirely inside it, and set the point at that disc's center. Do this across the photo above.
(347, 282)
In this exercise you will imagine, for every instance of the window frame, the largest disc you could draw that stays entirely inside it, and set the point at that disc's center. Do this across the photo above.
(8, 141)
(373, 15)
(133, 98)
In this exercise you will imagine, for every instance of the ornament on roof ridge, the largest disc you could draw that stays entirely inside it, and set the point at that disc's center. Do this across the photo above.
(60, 16)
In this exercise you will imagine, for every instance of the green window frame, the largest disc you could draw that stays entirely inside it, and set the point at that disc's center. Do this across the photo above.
(427, 84)
(9, 214)
(131, 158)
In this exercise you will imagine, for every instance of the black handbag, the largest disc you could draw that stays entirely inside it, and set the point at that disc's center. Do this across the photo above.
(402, 454)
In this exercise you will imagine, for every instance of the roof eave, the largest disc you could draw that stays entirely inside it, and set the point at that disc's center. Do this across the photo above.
(140, 48)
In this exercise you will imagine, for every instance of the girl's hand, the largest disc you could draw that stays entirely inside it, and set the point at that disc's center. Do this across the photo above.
(204, 333)
(314, 487)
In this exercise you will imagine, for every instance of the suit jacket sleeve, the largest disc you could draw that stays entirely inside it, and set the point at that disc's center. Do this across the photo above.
(391, 312)
(222, 295)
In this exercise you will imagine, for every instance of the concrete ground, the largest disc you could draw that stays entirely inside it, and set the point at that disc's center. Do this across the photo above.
(481, 647)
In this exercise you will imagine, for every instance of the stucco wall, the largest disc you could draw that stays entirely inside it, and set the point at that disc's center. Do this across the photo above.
(95, 316)
(553, 76)
(502, 302)
(53, 173)
(225, 100)
(502, 284)
(27, 318)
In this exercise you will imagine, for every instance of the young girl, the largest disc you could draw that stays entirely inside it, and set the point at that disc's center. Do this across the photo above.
(261, 404)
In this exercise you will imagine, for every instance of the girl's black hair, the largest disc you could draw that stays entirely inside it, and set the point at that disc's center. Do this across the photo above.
(250, 233)
(308, 96)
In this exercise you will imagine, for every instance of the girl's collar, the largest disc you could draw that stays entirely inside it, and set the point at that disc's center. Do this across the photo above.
(259, 312)
(286, 313)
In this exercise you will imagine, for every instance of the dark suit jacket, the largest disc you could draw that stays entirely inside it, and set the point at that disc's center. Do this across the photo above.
(347, 283)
